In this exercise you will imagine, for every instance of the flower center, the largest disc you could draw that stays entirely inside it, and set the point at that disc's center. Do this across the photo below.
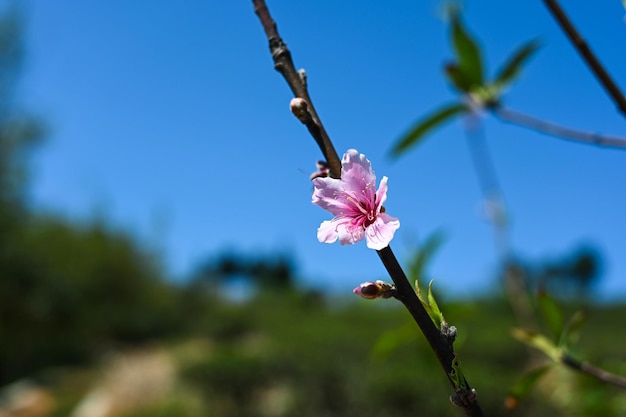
(368, 215)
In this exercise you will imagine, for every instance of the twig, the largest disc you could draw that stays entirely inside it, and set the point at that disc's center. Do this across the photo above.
(515, 283)
(588, 56)
(594, 371)
(297, 82)
(305, 111)
(440, 345)
(552, 129)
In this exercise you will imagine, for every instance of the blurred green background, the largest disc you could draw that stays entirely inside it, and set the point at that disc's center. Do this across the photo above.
(90, 324)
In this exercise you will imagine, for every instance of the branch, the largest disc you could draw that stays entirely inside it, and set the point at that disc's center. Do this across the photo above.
(284, 64)
(588, 56)
(552, 129)
(594, 371)
(305, 111)
(465, 397)
(515, 283)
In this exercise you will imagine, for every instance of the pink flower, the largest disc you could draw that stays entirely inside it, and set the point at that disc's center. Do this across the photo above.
(356, 205)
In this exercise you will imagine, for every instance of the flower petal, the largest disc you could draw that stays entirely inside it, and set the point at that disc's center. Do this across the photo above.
(327, 232)
(328, 194)
(379, 234)
(349, 233)
(357, 176)
(381, 194)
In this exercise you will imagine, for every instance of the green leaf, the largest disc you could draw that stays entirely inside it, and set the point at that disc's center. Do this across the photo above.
(392, 340)
(468, 53)
(457, 78)
(456, 374)
(423, 126)
(539, 342)
(571, 330)
(524, 386)
(514, 63)
(552, 314)
(435, 312)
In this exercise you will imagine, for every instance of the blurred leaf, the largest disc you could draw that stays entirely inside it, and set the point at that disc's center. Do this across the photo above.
(552, 314)
(539, 342)
(424, 254)
(468, 53)
(571, 330)
(392, 339)
(513, 65)
(522, 388)
(413, 136)
(458, 78)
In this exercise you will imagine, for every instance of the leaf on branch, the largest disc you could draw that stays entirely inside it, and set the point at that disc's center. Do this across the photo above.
(467, 51)
(458, 78)
(514, 63)
(571, 330)
(423, 126)
(539, 342)
(435, 312)
(524, 386)
(552, 314)
(430, 305)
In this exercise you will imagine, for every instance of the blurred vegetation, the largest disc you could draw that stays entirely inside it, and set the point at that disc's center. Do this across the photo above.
(67, 290)
(295, 354)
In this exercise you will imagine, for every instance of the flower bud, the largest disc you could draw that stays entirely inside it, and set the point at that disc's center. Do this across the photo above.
(371, 290)
(299, 108)
(322, 170)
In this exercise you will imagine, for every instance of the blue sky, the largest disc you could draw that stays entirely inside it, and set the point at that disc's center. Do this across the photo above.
(169, 119)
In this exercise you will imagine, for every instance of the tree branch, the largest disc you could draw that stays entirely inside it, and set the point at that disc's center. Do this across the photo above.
(443, 348)
(284, 64)
(303, 109)
(588, 56)
(594, 371)
(552, 129)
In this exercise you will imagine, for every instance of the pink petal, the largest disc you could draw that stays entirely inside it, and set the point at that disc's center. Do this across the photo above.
(379, 234)
(340, 228)
(328, 194)
(349, 233)
(327, 232)
(357, 175)
(381, 194)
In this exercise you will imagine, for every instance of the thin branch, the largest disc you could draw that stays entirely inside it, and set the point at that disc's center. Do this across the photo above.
(594, 371)
(300, 108)
(562, 132)
(588, 56)
(304, 110)
(297, 82)
(440, 345)
(514, 281)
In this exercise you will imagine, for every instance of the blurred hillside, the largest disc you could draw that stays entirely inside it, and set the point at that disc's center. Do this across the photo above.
(289, 354)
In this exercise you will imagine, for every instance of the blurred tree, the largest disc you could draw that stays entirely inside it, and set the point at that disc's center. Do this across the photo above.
(20, 131)
(574, 274)
(67, 290)
(262, 273)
